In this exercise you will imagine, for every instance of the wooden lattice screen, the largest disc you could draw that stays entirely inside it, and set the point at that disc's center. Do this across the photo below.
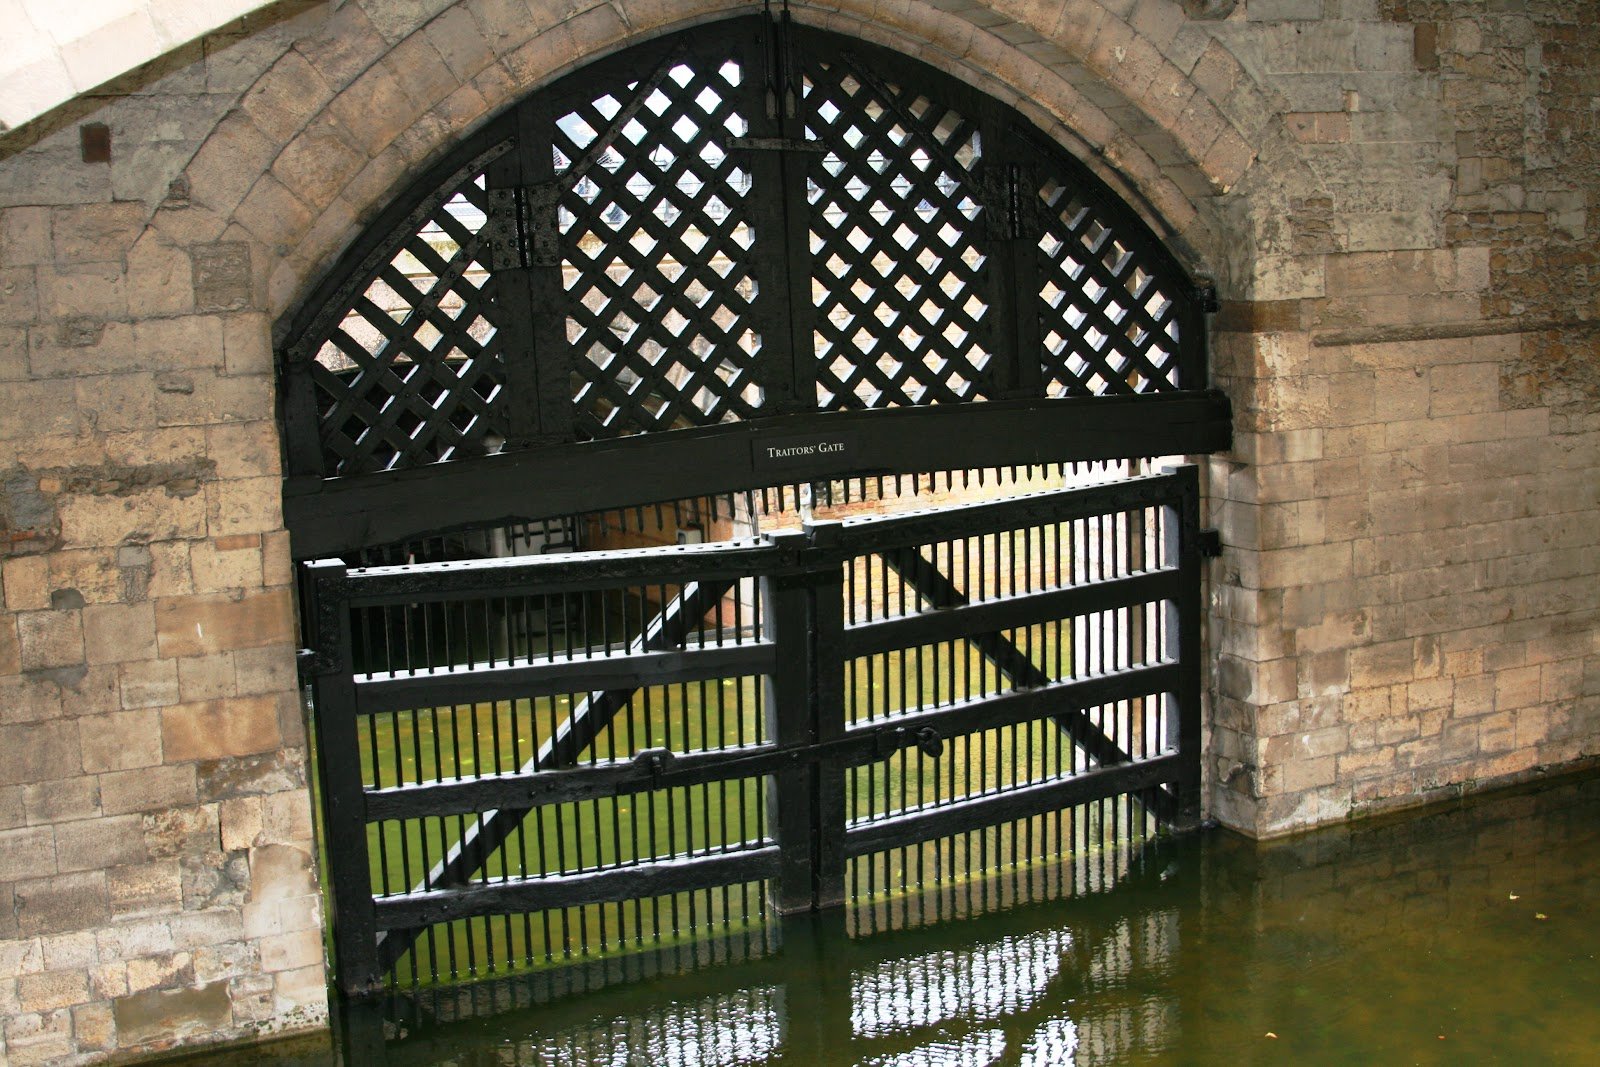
(744, 221)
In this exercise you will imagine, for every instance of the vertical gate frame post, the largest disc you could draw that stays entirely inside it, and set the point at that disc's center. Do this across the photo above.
(1183, 634)
(791, 797)
(357, 970)
(805, 706)
(827, 700)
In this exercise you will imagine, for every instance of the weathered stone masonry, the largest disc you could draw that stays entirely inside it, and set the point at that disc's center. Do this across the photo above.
(1395, 197)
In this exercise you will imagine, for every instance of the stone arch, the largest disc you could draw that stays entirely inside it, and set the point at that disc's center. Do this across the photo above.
(347, 114)
(326, 135)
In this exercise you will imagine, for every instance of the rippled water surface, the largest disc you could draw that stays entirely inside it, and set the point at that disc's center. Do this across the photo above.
(1464, 935)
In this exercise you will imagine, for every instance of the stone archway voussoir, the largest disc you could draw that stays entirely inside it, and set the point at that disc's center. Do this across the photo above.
(404, 101)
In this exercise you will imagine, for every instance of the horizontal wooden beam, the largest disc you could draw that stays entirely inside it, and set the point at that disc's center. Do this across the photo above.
(449, 686)
(1014, 612)
(1058, 700)
(860, 745)
(1043, 508)
(552, 575)
(999, 808)
(524, 789)
(338, 516)
(680, 874)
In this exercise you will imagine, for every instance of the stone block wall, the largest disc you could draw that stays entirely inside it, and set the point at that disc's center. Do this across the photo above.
(1395, 198)
(1409, 603)
(157, 881)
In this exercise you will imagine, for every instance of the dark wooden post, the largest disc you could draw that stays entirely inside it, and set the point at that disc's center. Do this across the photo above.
(523, 193)
(828, 709)
(1183, 635)
(805, 707)
(790, 792)
(333, 704)
(358, 1026)
(1014, 273)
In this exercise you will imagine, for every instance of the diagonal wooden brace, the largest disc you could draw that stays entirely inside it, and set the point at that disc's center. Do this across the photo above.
(936, 588)
(493, 828)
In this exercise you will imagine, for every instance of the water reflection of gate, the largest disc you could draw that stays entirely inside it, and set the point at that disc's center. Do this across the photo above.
(1025, 985)
(851, 711)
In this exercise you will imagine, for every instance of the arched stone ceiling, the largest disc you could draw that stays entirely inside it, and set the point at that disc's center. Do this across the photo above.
(58, 49)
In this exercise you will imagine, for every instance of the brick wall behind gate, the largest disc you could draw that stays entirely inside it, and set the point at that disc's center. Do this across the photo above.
(1396, 199)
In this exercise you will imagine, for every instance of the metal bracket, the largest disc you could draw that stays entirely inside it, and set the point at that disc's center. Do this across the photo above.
(540, 228)
(654, 761)
(522, 229)
(503, 230)
(929, 743)
(997, 191)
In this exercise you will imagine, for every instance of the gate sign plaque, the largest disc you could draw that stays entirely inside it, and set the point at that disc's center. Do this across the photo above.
(822, 452)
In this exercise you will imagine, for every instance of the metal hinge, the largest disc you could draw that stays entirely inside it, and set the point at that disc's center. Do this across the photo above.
(1209, 543)
(1205, 294)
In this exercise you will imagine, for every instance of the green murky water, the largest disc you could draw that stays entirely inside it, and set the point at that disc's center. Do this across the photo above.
(1463, 935)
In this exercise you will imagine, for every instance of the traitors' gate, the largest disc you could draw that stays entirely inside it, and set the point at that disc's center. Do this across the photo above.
(732, 271)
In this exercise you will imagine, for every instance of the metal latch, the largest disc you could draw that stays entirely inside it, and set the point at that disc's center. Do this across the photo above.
(654, 761)
(929, 743)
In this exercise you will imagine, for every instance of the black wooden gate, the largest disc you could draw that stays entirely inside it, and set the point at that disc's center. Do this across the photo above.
(530, 759)
(746, 257)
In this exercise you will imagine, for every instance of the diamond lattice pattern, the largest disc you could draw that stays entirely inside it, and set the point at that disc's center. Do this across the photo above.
(1106, 323)
(656, 240)
(658, 291)
(412, 372)
(895, 241)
